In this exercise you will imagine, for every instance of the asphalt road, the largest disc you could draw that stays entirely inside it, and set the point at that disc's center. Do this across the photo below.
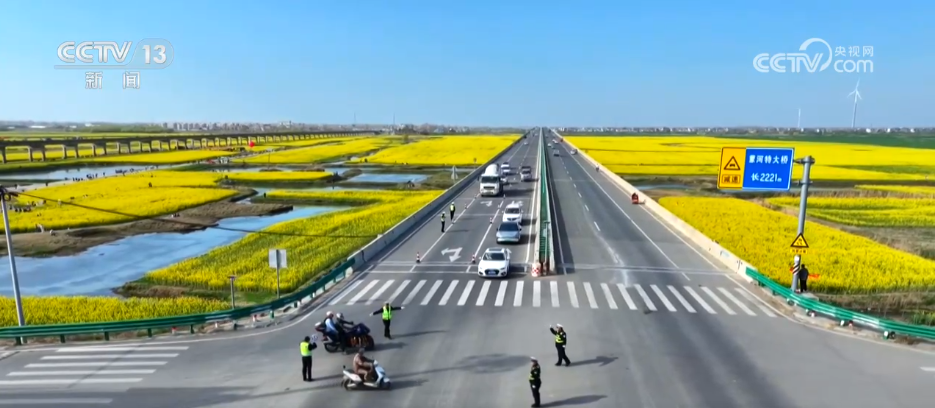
(463, 343)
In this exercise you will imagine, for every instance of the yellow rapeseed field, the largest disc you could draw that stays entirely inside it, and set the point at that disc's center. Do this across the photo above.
(925, 191)
(316, 154)
(445, 151)
(677, 155)
(313, 244)
(130, 194)
(274, 176)
(867, 212)
(845, 263)
(80, 309)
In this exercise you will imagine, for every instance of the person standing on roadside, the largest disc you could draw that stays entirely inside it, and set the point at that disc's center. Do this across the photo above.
(451, 212)
(535, 381)
(306, 348)
(803, 278)
(443, 222)
(561, 339)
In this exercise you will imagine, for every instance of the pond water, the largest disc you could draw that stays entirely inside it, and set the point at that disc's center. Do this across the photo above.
(388, 178)
(101, 268)
(68, 173)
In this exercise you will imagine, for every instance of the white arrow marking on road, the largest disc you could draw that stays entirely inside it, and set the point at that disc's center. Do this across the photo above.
(487, 203)
(457, 253)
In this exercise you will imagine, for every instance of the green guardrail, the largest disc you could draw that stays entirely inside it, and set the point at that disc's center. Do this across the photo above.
(190, 321)
(890, 328)
(545, 211)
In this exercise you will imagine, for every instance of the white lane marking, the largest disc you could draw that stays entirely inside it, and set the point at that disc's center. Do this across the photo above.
(718, 300)
(553, 289)
(681, 299)
(518, 297)
(573, 294)
(698, 299)
(626, 296)
(609, 296)
(501, 294)
(70, 382)
(398, 291)
(579, 193)
(586, 208)
(448, 292)
(928, 369)
(379, 292)
(466, 293)
(98, 364)
(483, 238)
(363, 291)
(597, 226)
(482, 296)
(117, 348)
(756, 302)
(428, 296)
(646, 300)
(536, 292)
(736, 301)
(414, 292)
(589, 293)
(56, 401)
(104, 356)
(78, 372)
(662, 296)
(345, 292)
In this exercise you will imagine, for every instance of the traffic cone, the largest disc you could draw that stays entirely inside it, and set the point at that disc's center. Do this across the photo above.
(491, 220)
(418, 258)
(254, 318)
(173, 331)
(473, 258)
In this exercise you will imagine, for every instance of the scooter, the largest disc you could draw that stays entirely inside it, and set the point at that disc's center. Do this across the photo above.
(353, 381)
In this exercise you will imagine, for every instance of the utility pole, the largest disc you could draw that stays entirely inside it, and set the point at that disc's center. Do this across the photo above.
(4, 195)
(808, 161)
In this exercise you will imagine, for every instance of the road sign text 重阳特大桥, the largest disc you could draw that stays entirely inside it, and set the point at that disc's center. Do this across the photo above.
(799, 245)
(756, 168)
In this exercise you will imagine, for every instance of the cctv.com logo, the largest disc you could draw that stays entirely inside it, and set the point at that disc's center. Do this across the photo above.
(853, 59)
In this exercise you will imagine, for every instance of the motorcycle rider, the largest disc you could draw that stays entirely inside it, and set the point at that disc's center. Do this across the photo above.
(363, 366)
(334, 330)
(342, 325)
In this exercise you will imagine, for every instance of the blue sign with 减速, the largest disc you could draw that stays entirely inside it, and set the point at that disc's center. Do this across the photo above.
(768, 169)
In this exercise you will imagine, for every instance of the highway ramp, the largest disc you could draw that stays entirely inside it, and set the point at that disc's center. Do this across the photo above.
(458, 348)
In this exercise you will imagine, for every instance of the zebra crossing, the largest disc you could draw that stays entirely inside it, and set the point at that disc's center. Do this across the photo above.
(577, 295)
(95, 365)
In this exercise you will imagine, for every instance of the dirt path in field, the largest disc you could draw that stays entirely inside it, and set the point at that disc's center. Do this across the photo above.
(77, 240)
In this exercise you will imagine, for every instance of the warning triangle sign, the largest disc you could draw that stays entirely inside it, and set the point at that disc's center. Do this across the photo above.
(799, 242)
(732, 164)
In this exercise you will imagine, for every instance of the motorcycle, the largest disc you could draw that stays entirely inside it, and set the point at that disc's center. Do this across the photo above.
(357, 336)
(353, 381)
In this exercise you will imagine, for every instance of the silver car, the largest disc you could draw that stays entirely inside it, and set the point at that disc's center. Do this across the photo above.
(509, 232)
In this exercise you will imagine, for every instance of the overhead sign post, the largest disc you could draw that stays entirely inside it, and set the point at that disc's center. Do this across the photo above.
(277, 259)
(799, 245)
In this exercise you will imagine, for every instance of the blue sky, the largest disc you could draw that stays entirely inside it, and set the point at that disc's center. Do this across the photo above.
(578, 63)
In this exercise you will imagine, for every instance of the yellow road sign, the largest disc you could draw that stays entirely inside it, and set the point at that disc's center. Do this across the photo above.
(799, 245)
(730, 173)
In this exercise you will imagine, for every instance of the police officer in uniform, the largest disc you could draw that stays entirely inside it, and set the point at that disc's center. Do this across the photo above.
(443, 222)
(535, 382)
(451, 212)
(387, 312)
(561, 340)
(306, 348)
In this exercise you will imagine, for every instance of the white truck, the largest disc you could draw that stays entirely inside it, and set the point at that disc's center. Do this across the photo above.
(490, 184)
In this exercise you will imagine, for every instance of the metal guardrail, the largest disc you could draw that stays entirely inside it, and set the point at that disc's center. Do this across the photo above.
(545, 207)
(191, 321)
(889, 328)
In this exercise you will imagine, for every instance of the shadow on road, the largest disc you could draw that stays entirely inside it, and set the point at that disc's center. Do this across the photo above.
(580, 400)
(416, 334)
(390, 346)
(600, 361)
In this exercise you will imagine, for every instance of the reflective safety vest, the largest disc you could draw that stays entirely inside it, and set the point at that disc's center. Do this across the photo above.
(443, 216)
(387, 313)
(559, 338)
(304, 347)
(452, 208)
(534, 374)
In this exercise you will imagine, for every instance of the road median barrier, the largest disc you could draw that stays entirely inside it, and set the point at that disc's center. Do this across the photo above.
(889, 329)
(238, 318)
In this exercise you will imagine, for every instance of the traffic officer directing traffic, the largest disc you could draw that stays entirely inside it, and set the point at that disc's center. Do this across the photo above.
(306, 348)
(387, 312)
(451, 212)
(535, 381)
(561, 340)
(443, 222)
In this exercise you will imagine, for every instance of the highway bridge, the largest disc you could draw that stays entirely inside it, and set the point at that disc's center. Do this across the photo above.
(151, 143)
(652, 322)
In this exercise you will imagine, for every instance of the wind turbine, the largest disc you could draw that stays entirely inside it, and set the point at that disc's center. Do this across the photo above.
(857, 97)
(798, 124)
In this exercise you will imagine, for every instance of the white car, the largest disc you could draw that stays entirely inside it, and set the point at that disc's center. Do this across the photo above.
(495, 263)
(513, 213)
(506, 170)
